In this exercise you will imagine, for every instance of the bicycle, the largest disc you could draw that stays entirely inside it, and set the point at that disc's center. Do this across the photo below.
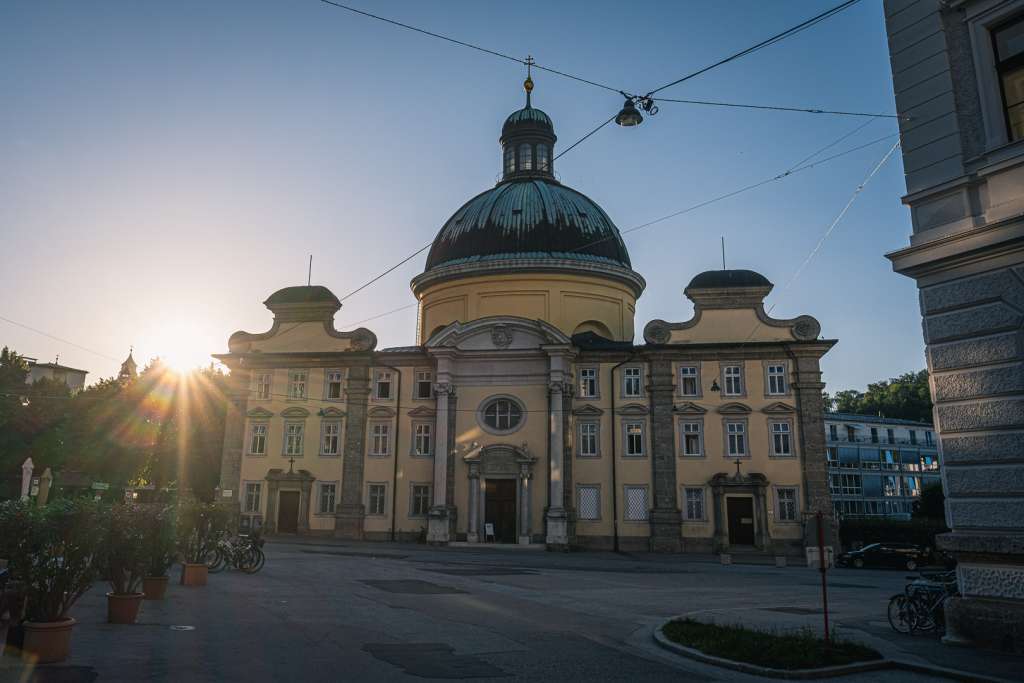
(242, 552)
(921, 605)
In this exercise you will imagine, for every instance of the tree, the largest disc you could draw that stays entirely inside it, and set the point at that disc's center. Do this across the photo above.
(932, 504)
(906, 397)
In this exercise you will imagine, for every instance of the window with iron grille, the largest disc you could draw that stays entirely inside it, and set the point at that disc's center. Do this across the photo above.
(636, 503)
(263, 385)
(293, 438)
(631, 382)
(297, 384)
(588, 502)
(776, 380)
(252, 497)
(691, 438)
(376, 495)
(330, 438)
(737, 438)
(424, 384)
(328, 491)
(781, 442)
(420, 504)
(588, 382)
(258, 439)
(688, 380)
(786, 497)
(635, 439)
(422, 439)
(333, 384)
(380, 440)
(588, 439)
(733, 380)
(382, 385)
(693, 510)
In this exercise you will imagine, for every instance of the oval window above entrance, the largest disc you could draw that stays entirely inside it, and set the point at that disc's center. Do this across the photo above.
(501, 415)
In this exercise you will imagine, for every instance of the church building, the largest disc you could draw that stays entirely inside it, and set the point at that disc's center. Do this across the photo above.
(526, 413)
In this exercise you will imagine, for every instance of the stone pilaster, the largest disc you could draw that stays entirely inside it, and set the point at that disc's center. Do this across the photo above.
(234, 442)
(439, 522)
(807, 387)
(557, 519)
(348, 520)
(666, 521)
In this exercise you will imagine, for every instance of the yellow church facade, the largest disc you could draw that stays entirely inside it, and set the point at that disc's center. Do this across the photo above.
(525, 413)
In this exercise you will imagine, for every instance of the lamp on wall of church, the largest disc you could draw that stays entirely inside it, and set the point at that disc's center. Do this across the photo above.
(714, 385)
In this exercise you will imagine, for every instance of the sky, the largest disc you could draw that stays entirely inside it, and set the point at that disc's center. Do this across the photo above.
(167, 166)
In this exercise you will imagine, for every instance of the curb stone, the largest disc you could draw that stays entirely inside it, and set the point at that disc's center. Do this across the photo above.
(823, 672)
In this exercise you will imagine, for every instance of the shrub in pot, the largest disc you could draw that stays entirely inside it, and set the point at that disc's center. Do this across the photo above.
(54, 552)
(201, 526)
(159, 547)
(124, 561)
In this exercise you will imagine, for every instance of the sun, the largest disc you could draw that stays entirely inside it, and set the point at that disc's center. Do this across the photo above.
(178, 342)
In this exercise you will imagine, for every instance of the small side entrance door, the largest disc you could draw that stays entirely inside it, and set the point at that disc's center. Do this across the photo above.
(741, 520)
(288, 512)
(500, 508)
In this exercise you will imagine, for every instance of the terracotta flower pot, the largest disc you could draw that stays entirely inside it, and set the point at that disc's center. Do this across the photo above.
(48, 642)
(123, 609)
(154, 587)
(193, 574)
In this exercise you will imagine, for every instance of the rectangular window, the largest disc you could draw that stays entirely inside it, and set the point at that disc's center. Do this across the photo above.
(636, 503)
(297, 384)
(890, 436)
(928, 439)
(588, 382)
(691, 439)
(851, 485)
(890, 460)
(631, 382)
(263, 385)
(736, 433)
(325, 501)
(380, 439)
(382, 385)
(424, 384)
(258, 439)
(786, 497)
(693, 509)
(1008, 41)
(835, 484)
(832, 456)
(376, 496)
(420, 503)
(588, 502)
(890, 486)
(776, 380)
(293, 438)
(688, 380)
(851, 434)
(333, 384)
(781, 439)
(330, 439)
(251, 502)
(634, 439)
(913, 437)
(422, 443)
(733, 380)
(833, 433)
(588, 439)
(874, 435)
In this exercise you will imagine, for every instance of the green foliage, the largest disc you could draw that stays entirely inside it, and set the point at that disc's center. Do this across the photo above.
(201, 526)
(857, 532)
(123, 550)
(932, 504)
(53, 550)
(789, 651)
(906, 397)
(159, 541)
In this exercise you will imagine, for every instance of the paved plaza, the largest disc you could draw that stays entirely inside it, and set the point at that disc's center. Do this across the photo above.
(325, 611)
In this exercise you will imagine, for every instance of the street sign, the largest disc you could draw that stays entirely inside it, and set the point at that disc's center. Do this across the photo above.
(100, 486)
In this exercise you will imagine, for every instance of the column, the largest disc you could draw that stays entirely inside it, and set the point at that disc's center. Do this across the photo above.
(438, 524)
(234, 443)
(348, 520)
(666, 520)
(807, 388)
(558, 530)
(472, 534)
(524, 506)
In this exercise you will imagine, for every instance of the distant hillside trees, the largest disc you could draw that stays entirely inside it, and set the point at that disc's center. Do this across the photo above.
(906, 397)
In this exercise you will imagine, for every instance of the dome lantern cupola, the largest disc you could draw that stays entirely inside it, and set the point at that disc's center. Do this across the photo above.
(527, 142)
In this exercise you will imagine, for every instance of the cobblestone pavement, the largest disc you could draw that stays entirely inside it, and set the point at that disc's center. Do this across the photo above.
(323, 611)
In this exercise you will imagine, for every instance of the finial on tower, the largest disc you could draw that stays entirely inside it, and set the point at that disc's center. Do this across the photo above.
(528, 83)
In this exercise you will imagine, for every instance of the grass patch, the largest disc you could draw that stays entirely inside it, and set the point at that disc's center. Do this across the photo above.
(800, 650)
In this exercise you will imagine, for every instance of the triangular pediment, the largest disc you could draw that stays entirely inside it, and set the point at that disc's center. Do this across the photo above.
(422, 412)
(689, 408)
(295, 411)
(779, 408)
(331, 412)
(735, 409)
(381, 411)
(588, 411)
(259, 413)
(633, 409)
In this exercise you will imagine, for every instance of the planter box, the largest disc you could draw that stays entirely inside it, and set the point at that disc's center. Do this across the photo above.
(193, 574)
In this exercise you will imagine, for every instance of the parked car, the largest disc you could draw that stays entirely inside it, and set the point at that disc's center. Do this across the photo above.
(893, 555)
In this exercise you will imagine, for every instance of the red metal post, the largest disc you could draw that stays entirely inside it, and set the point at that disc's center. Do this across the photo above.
(821, 567)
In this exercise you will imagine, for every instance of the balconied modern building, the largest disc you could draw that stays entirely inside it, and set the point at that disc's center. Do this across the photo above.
(878, 466)
(958, 76)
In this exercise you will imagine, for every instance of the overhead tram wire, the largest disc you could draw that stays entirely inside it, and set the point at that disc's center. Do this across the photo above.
(711, 103)
(63, 341)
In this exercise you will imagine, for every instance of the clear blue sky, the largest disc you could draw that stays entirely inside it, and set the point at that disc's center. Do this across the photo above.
(166, 166)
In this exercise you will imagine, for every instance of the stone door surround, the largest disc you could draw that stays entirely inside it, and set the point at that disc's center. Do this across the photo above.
(499, 461)
(754, 485)
(279, 480)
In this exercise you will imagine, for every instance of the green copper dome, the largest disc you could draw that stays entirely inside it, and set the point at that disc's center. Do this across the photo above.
(527, 117)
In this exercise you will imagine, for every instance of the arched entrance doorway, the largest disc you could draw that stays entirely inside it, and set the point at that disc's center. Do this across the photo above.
(500, 493)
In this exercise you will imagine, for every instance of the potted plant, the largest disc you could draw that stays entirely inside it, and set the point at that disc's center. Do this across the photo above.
(54, 552)
(159, 549)
(124, 562)
(201, 526)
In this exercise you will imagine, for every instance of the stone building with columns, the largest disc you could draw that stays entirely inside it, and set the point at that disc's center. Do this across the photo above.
(525, 412)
